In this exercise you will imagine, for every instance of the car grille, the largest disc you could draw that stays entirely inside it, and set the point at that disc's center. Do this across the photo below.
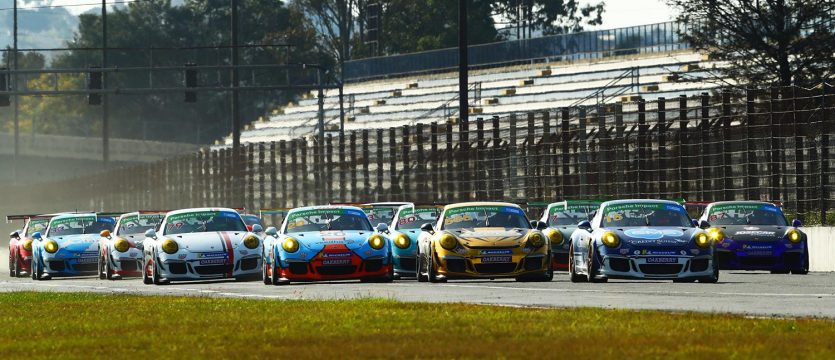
(249, 264)
(408, 264)
(57, 265)
(336, 270)
(298, 268)
(757, 260)
(89, 267)
(495, 268)
(698, 265)
(456, 265)
(659, 269)
(128, 265)
(373, 265)
(177, 268)
(619, 264)
(533, 264)
(213, 269)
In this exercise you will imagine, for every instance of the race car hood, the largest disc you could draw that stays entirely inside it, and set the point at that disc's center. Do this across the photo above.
(208, 241)
(316, 240)
(655, 236)
(487, 237)
(412, 233)
(76, 243)
(754, 232)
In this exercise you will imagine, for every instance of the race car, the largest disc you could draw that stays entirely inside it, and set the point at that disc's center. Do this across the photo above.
(201, 244)
(120, 252)
(382, 212)
(403, 233)
(327, 243)
(70, 246)
(483, 240)
(251, 220)
(20, 242)
(562, 219)
(642, 239)
(754, 235)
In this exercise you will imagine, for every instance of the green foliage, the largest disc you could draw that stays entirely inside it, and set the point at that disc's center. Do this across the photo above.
(551, 16)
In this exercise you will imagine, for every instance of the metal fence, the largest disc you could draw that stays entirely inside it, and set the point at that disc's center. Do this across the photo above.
(661, 37)
(768, 144)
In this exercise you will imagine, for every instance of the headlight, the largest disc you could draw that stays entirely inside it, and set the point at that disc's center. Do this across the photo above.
(536, 240)
(27, 245)
(716, 234)
(121, 245)
(610, 239)
(376, 242)
(702, 240)
(555, 236)
(170, 246)
(290, 245)
(51, 247)
(794, 236)
(402, 241)
(448, 241)
(251, 242)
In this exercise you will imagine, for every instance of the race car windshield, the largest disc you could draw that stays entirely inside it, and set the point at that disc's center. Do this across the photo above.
(380, 214)
(411, 219)
(135, 225)
(746, 214)
(485, 216)
(251, 219)
(36, 225)
(204, 221)
(327, 220)
(645, 214)
(560, 216)
(80, 226)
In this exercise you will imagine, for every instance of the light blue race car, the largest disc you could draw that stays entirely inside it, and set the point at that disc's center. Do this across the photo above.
(322, 243)
(70, 246)
(403, 233)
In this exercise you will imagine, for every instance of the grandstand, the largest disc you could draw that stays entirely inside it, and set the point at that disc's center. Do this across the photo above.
(500, 90)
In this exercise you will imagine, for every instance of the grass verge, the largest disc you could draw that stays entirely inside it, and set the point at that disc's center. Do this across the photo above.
(80, 325)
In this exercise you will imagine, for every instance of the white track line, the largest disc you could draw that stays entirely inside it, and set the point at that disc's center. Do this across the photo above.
(643, 292)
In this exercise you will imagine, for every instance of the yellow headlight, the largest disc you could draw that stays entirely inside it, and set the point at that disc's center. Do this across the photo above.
(121, 245)
(555, 236)
(290, 245)
(794, 236)
(27, 245)
(702, 240)
(716, 234)
(610, 239)
(402, 241)
(536, 240)
(448, 241)
(376, 242)
(170, 246)
(51, 247)
(251, 242)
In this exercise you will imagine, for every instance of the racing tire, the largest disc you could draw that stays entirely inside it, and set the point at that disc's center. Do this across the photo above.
(713, 279)
(155, 279)
(108, 271)
(419, 270)
(275, 279)
(12, 264)
(37, 269)
(430, 269)
(572, 271)
(101, 267)
(805, 269)
(17, 269)
(594, 266)
(549, 274)
(145, 278)
(264, 277)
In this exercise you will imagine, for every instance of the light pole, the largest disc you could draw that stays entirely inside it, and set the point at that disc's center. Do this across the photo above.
(463, 66)
(16, 98)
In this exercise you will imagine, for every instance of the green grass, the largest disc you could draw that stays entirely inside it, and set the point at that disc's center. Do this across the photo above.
(74, 325)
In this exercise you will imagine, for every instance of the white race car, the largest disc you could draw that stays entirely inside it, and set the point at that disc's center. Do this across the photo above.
(200, 244)
(120, 252)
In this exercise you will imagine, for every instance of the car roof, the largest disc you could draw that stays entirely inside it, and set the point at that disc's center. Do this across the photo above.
(629, 201)
(481, 203)
(325, 207)
(182, 211)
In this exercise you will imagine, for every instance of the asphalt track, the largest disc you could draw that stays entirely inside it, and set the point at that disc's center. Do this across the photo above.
(749, 293)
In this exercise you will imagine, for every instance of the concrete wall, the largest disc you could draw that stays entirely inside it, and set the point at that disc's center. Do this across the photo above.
(821, 247)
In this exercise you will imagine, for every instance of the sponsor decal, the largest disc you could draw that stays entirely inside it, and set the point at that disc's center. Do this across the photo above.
(59, 223)
(756, 233)
(87, 260)
(337, 262)
(182, 256)
(758, 253)
(625, 251)
(751, 228)
(212, 255)
(695, 251)
(336, 255)
(497, 252)
(756, 247)
(649, 234)
(212, 261)
(497, 259)
(658, 252)
(92, 254)
(662, 260)
(466, 209)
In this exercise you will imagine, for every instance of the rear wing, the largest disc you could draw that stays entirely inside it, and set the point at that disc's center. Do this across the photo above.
(11, 218)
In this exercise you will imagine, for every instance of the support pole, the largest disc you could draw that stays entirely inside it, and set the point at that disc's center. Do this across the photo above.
(236, 119)
(463, 66)
(16, 98)
(105, 110)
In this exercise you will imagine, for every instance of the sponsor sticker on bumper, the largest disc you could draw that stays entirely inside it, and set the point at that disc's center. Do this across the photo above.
(88, 260)
(212, 261)
(337, 262)
(662, 260)
(497, 259)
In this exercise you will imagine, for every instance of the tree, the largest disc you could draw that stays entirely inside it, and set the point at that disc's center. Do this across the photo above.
(549, 16)
(780, 42)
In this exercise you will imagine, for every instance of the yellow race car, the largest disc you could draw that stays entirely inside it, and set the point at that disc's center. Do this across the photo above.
(483, 240)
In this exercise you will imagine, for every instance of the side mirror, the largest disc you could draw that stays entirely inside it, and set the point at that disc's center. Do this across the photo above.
(382, 228)
(105, 233)
(151, 233)
(585, 225)
(15, 235)
(272, 231)
(704, 224)
(37, 236)
(256, 228)
(428, 228)
(694, 222)
(796, 222)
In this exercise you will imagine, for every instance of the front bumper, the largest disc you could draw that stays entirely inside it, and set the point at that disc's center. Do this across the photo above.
(191, 269)
(559, 256)
(323, 269)
(126, 263)
(772, 255)
(85, 264)
(405, 260)
(642, 267)
(468, 267)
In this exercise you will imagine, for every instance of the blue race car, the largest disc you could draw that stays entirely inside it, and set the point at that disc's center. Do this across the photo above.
(754, 235)
(326, 243)
(642, 239)
(70, 245)
(404, 231)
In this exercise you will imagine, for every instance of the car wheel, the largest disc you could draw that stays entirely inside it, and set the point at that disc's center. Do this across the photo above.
(275, 276)
(155, 273)
(36, 268)
(572, 270)
(594, 266)
(12, 268)
(17, 268)
(549, 274)
(108, 271)
(264, 277)
(419, 269)
(430, 268)
(101, 267)
(145, 278)
(713, 278)
(805, 268)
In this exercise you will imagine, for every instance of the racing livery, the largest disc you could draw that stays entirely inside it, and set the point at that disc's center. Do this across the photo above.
(403, 233)
(120, 252)
(70, 245)
(483, 240)
(20, 242)
(642, 239)
(327, 243)
(200, 244)
(754, 235)
(562, 219)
